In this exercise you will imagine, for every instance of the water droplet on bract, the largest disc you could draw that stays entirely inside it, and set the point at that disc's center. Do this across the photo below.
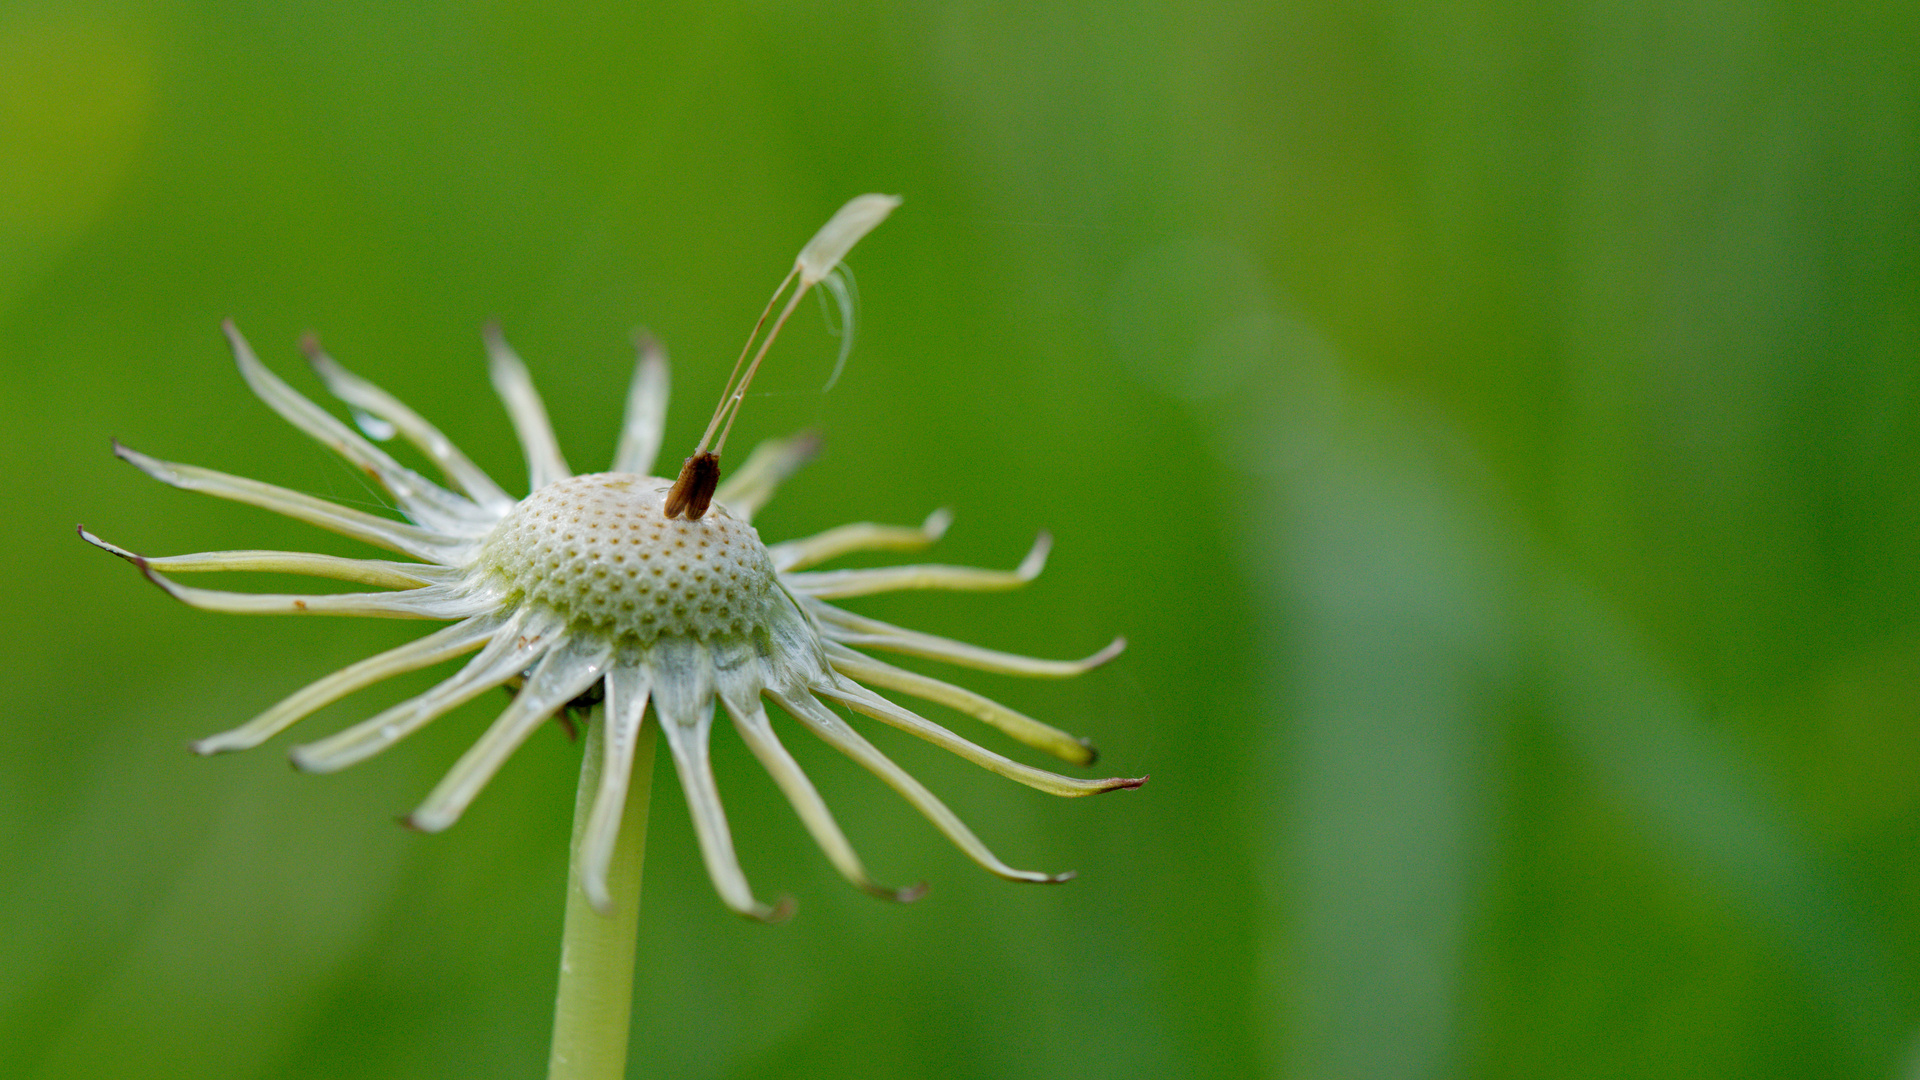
(377, 429)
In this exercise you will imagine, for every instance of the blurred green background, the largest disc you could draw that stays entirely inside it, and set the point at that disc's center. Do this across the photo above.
(1494, 425)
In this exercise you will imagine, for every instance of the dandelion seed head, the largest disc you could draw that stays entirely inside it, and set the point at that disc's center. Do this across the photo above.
(587, 589)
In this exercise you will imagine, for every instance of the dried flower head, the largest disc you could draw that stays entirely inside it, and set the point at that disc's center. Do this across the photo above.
(594, 589)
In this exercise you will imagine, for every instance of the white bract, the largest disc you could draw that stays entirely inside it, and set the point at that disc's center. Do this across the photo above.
(585, 592)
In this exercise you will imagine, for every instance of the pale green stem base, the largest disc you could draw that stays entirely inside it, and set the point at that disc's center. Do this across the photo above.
(595, 1002)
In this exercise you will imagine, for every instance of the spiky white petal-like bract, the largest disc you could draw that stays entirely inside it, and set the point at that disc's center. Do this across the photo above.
(586, 586)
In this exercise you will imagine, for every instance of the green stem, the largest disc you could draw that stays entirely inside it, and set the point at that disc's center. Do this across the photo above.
(595, 1001)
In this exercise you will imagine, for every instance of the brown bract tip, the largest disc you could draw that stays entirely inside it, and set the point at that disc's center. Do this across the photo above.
(112, 549)
(807, 444)
(783, 910)
(693, 491)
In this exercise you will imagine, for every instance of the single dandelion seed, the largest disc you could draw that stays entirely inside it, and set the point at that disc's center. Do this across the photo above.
(545, 595)
(700, 473)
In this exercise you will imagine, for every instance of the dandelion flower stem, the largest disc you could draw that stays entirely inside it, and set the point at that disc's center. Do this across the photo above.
(595, 1001)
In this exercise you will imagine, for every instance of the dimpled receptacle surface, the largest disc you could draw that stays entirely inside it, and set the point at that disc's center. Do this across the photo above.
(598, 550)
